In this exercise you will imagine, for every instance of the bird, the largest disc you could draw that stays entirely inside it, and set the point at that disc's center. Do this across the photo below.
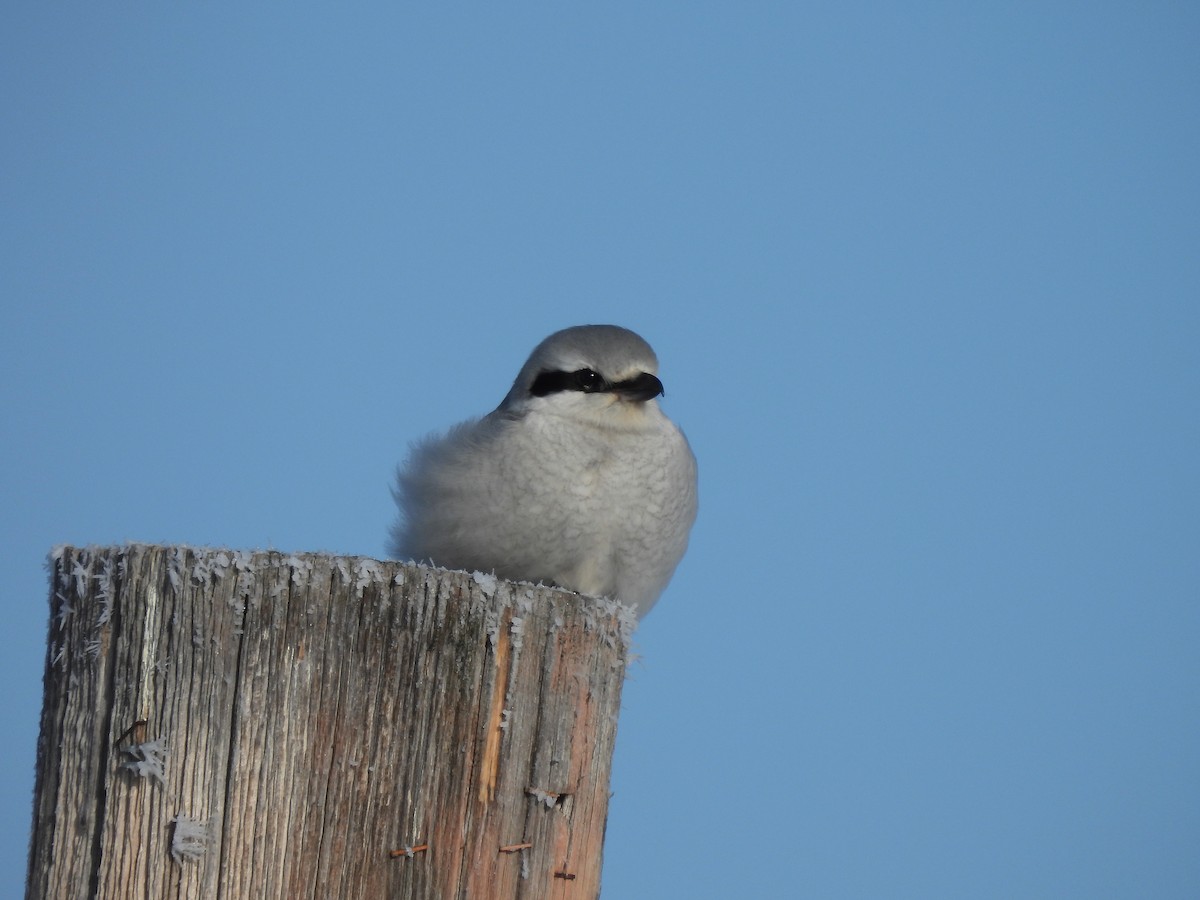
(577, 479)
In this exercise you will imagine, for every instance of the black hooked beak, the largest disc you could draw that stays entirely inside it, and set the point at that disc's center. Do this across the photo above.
(640, 389)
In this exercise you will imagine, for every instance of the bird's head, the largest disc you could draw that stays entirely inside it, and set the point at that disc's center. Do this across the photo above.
(603, 374)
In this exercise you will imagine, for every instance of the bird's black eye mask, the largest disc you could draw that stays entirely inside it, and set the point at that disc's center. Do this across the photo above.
(642, 387)
(585, 380)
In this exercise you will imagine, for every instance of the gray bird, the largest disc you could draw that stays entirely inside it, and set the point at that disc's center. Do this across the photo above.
(577, 479)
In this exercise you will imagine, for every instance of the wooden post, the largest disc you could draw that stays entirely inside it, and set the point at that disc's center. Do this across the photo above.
(231, 724)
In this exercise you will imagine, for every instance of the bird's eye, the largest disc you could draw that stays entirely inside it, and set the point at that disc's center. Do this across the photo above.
(589, 381)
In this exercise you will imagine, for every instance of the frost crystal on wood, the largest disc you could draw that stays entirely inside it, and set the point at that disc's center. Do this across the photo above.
(189, 838)
(147, 760)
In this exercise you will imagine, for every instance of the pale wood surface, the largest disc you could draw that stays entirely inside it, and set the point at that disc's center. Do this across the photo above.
(320, 716)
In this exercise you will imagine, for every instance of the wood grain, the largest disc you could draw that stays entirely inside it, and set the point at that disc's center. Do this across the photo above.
(328, 727)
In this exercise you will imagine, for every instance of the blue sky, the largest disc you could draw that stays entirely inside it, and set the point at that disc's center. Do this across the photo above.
(924, 282)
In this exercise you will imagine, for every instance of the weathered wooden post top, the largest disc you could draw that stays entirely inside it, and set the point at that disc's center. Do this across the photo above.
(265, 725)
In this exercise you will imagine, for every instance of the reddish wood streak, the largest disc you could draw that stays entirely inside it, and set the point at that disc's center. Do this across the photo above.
(408, 851)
